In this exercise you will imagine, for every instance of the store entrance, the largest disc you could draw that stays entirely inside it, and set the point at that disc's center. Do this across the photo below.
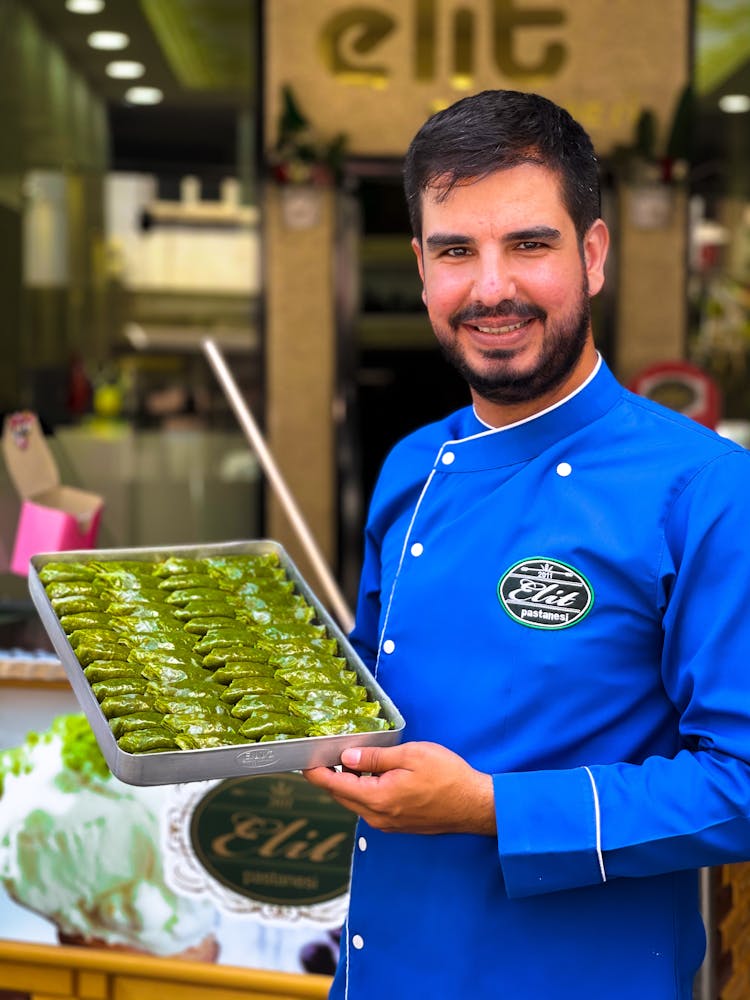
(392, 375)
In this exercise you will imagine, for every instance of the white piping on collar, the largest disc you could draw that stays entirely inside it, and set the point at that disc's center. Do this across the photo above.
(549, 409)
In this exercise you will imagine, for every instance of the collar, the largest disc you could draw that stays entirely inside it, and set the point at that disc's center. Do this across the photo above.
(560, 402)
(491, 447)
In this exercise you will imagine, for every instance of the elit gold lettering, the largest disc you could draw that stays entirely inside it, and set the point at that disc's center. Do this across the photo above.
(269, 838)
(424, 40)
(244, 828)
(350, 37)
(311, 849)
(283, 833)
(508, 20)
(364, 28)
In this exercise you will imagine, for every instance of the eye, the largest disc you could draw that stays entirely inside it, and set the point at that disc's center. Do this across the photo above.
(531, 245)
(456, 252)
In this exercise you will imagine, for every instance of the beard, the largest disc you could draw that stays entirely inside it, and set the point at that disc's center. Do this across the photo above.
(505, 383)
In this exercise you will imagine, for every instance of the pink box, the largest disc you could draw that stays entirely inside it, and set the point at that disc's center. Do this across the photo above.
(53, 518)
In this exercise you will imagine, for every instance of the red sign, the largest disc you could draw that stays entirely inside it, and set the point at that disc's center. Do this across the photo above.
(683, 387)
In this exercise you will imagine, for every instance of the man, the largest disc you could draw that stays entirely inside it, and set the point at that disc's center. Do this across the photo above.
(554, 594)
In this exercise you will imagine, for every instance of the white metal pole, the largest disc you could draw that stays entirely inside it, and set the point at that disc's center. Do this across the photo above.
(269, 466)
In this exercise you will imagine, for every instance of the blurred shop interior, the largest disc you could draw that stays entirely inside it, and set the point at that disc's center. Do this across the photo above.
(134, 193)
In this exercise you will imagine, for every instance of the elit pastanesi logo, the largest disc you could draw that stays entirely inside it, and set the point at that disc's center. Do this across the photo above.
(274, 838)
(545, 593)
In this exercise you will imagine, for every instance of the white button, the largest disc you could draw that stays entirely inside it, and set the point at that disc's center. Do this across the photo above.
(564, 469)
(388, 646)
(448, 458)
(362, 843)
(358, 942)
(417, 549)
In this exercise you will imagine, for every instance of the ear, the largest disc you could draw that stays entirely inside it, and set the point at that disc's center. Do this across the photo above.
(595, 247)
(416, 246)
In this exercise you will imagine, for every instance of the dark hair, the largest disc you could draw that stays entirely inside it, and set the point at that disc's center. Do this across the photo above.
(495, 130)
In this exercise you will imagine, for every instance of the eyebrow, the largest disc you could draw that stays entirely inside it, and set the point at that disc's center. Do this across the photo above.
(437, 241)
(534, 233)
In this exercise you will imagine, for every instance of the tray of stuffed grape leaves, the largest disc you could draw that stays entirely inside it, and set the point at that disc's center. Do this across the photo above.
(196, 662)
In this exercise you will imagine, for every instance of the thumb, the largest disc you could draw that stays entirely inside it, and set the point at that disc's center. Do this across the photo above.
(374, 760)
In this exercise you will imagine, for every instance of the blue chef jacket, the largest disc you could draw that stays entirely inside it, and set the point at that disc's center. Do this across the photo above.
(565, 603)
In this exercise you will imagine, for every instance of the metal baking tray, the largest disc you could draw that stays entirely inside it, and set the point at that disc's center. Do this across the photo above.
(176, 766)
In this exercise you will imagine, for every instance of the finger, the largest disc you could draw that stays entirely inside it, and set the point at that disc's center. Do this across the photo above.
(340, 784)
(327, 777)
(317, 776)
(352, 792)
(375, 760)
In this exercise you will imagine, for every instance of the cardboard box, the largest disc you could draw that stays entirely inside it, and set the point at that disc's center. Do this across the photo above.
(53, 518)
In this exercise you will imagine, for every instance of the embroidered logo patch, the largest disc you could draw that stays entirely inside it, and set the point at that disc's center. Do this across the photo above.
(545, 593)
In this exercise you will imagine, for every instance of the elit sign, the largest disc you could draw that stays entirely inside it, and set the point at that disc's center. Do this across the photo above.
(353, 41)
(375, 69)
(274, 838)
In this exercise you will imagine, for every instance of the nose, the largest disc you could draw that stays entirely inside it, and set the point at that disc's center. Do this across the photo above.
(493, 279)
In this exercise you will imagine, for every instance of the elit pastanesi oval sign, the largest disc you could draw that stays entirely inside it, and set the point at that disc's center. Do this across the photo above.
(274, 838)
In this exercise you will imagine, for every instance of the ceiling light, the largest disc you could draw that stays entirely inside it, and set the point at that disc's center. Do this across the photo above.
(111, 41)
(84, 6)
(143, 95)
(123, 69)
(735, 104)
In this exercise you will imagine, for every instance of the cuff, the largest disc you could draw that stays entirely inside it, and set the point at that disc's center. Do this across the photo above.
(549, 831)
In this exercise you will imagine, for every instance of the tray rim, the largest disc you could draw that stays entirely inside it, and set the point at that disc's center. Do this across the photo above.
(178, 766)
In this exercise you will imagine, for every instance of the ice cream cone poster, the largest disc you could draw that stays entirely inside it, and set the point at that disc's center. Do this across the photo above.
(248, 872)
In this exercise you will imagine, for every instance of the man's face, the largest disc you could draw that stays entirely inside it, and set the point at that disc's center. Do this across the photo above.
(507, 285)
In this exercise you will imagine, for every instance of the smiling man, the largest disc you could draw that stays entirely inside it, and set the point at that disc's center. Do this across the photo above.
(499, 257)
(539, 598)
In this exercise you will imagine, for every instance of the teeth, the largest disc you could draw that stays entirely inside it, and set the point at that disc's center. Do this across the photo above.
(501, 329)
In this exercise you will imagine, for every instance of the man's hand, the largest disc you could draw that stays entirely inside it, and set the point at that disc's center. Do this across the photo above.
(411, 788)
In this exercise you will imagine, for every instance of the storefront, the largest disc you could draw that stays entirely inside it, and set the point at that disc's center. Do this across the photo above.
(374, 73)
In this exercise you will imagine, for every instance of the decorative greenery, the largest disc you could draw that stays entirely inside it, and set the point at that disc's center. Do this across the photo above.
(641, 161)
(300, 155)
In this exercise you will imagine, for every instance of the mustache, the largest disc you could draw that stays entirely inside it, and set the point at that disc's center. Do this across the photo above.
(508, 307)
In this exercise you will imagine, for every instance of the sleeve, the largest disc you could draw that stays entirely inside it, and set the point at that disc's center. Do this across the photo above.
(576, 827)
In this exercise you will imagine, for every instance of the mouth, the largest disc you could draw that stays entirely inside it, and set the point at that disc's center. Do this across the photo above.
(502, 330)
(509, 322)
